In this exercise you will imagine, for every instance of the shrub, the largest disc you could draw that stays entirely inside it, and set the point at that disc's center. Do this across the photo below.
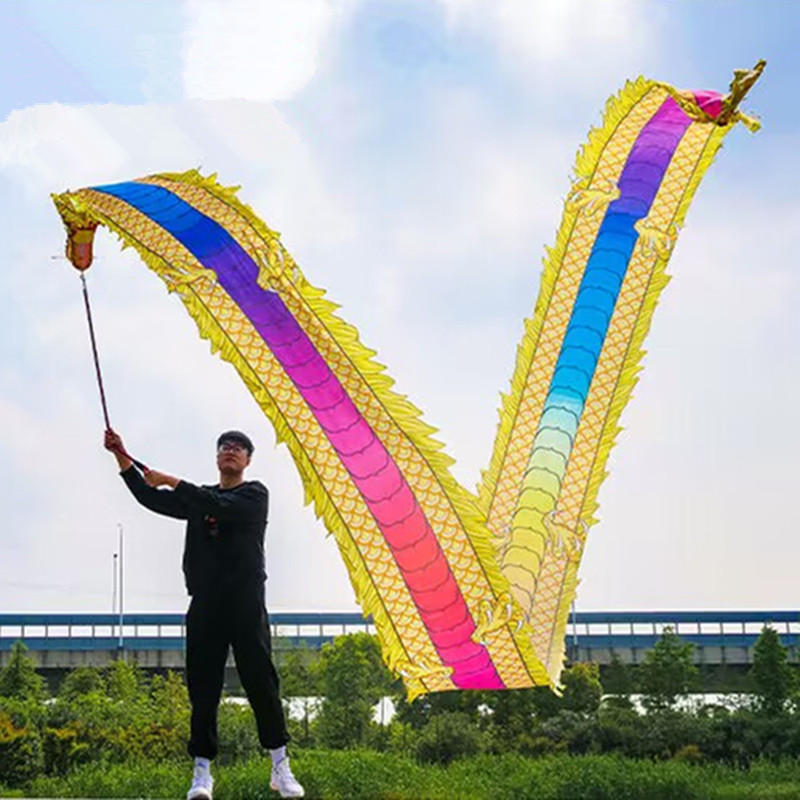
(618, 730)
(152, 780)
(21, 757)
(424, 708)
(24, 713)
(667, 732)
(170, 701)
(538, 746)
(402, 738)
(561, 727)
(79, 682)
(448, 737)
(690, 753)
(238, 735)
(732, 740)
(92, 726)
(124, 681)
(63, 750)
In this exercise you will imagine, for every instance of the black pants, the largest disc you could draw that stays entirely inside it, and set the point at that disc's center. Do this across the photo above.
(216, 620)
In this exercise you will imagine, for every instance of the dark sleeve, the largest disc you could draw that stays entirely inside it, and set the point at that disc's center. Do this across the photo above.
(161, 501)
(246, 502)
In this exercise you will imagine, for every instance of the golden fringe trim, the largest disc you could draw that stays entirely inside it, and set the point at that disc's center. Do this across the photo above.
(586, 162)
(628, 379)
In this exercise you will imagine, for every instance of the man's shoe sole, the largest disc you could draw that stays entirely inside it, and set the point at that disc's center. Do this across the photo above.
(276, 789)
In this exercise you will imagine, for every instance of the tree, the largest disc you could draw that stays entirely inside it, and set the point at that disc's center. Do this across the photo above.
(296, 672)
(667, 672)
(514, 714)
(170, 699)
(18, 679)
(617, 683)
(582, 688)
(80, 682)
(298, 680)
(448, 736)
(122, 681)
(352, 679)
(617, 678)
(424, 708)
(772, 677)
(546, 702)
(512, 717)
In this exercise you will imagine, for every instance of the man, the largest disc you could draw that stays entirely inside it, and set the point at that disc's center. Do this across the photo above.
(223, 563)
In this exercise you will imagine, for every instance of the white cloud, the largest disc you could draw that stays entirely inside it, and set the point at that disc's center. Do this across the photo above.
(284, 179)
(487, 189)
(254, 49)
(49, 140)
(589, 39)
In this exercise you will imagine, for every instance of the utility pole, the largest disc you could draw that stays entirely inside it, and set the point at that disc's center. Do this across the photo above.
(114, 593)
(574, 633)
(121, 644)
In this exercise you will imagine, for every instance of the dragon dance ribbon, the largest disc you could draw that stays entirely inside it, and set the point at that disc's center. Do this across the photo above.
(467, 592)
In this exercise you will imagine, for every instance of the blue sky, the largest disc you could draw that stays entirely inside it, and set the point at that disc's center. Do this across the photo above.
(415, 156)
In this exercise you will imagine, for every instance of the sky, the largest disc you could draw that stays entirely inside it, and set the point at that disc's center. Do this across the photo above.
(415, 156)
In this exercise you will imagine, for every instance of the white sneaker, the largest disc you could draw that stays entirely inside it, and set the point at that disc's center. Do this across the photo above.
(202, 784)
(283, 782)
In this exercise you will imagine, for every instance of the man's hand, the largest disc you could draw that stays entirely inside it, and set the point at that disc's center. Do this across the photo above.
(155, 479)
(113, 443)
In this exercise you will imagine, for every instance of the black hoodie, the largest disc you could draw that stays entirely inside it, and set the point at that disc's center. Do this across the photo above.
(224, 544)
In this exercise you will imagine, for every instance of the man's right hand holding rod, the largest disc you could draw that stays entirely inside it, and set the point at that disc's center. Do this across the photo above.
(113, 443)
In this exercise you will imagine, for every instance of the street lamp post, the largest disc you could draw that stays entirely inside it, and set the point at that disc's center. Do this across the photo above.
(121, 643)
(114, 592)
(574, 633)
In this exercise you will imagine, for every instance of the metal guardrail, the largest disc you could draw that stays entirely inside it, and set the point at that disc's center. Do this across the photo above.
(103, 632)
(588, 632)
(719, 637)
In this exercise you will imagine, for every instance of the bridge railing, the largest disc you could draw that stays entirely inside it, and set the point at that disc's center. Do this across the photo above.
(156, 631)
(718, 636)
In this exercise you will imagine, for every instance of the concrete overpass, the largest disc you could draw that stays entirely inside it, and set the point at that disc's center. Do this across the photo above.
(60, 642)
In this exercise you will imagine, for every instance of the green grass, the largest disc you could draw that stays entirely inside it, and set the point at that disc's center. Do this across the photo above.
(376, 776)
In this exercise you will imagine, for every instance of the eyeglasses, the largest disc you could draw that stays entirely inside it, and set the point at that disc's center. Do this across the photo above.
(231, 447)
